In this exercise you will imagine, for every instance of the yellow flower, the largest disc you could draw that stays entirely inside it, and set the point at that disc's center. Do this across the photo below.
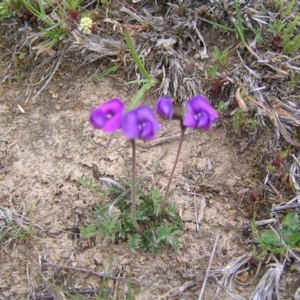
(86, 22)
(85, 25)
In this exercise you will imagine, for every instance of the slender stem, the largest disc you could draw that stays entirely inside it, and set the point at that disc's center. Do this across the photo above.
(133, 188)
(183, 128)
(209, 265)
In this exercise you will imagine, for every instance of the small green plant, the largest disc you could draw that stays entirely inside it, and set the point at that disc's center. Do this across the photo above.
(221, 107)
(278, 5)
(5, 10)
(252, 123)
(278, 241)
(19, 76)
(270, 169)
(277, 162)
(161, 227)
(56, 30)
(15, 227)
(276, 27)
(290, 6)
(285, 35)
(293, 80)
(238, 119)
(239, 24)
(221, 57)
(106, 72)
(71, 4)
(211, 72)
(7, 7)
(241, 121)
(89, 184)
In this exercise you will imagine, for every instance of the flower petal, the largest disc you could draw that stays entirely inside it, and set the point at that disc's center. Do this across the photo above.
(130, 125)
(144, 113)
(112, 107)
(97, 118)
(108, 116)
(190, 120)
(204, 121)
(113, 124)
(147, 123)
(200, 104)
(140, 123)
(200, 114)
(164, 108)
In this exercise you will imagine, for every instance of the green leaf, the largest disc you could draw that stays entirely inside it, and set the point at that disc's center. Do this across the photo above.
(211, 71)
(254, 229)
(216, 53)
(279, 251)
(106, 72)
(167, 234)
(109, 226)
(290, 223)
(276, 27)
(293, 239)
(270, 169)
(88, 231)
(147, 242)
(41, 7)
(40, 14)
(289, 8)
(172, 208)
(269, 238)
(239, 25)
(133, 241)
(135, 55)
(218, 25)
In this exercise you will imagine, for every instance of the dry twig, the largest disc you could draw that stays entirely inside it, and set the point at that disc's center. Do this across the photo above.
(209, 266)
(98, 274)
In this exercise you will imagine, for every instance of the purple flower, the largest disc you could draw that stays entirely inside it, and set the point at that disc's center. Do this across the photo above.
(164, 108)
(108, 116)
(140, 124)
(200, 114)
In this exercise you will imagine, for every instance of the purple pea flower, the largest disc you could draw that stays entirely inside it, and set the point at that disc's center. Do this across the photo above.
(200, 114)
(164, 108)
(140, 124)
(108, 116)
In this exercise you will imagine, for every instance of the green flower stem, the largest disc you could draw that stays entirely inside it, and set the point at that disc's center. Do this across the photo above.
(133, 188)
(183, 128)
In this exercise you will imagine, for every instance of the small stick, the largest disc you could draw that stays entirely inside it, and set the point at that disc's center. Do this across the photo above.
(196, 217)
(101, 274)
(183, 128)
(201, 210)
(133, 188)
(265, 222)
(209, 265)
(283, 207)
(296, 159)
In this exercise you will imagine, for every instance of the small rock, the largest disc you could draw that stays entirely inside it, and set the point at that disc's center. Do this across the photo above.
(186, 286)
(98, 259)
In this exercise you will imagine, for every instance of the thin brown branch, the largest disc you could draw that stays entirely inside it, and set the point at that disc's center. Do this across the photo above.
(89, 272)
(209, 265)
